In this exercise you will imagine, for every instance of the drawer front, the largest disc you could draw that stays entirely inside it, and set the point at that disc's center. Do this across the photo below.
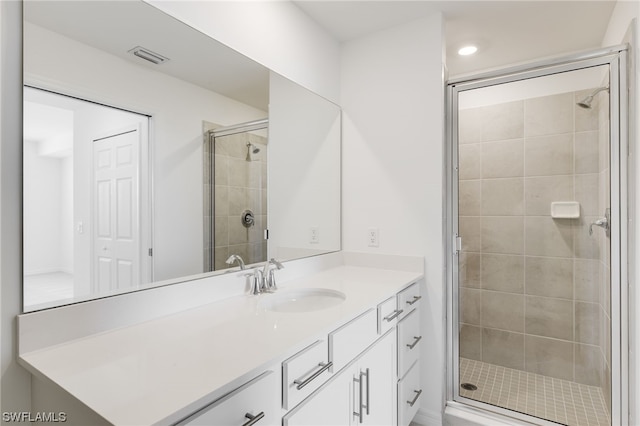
(409, 340)
(256, 400)
(304, 372)
(388, 315)
(348, 341)
(409, 298)
(409, 393)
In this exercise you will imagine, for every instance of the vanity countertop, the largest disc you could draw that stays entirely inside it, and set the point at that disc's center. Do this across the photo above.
(160, 371)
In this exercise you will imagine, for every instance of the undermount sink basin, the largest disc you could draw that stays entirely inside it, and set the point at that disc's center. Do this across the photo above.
(302, 300)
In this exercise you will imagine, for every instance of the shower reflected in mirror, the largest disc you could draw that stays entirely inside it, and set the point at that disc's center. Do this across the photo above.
(235, 193)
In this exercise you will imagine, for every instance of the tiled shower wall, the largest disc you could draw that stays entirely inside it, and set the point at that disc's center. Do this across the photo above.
(238, 185)
(531, 293)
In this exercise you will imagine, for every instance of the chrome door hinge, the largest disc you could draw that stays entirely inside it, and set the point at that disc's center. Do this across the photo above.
(457, 244)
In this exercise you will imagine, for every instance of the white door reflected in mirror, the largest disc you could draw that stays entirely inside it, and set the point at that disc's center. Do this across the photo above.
(78, 170)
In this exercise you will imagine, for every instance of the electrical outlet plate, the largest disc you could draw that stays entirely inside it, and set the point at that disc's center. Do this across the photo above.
(372, 237)
(314, 236)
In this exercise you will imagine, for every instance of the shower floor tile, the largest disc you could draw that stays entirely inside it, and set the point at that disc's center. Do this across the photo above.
(557, 400)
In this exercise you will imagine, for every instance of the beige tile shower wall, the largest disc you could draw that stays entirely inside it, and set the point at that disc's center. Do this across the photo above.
(239, 185)
(530, 297)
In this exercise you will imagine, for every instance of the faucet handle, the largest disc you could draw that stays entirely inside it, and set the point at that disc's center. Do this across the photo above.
(271, 280)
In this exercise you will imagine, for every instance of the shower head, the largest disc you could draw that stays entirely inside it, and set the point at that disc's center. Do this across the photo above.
(586, 102)
(250, 151)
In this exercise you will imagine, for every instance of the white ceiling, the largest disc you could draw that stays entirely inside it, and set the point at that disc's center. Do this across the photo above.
(118, 26)
(506, 32)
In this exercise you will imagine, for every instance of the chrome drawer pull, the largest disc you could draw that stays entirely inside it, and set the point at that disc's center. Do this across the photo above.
(303, 383)
(360, 415)
(415, 299)
(418, 392)
(413, 345)
(394, 315)
(253, 419)
(368, 393)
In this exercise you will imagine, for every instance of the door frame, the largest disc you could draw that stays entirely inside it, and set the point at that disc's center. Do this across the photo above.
(620, 169)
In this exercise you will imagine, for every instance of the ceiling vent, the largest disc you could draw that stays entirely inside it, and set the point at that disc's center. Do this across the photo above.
(148, 55)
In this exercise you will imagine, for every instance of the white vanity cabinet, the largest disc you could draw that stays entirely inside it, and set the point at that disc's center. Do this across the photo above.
(254, 403)
(362, 393)
(356, 363)
(304, 372)
(373, 384)
(408, 347)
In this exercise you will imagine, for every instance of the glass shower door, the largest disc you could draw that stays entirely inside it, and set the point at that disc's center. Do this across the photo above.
(534, 288)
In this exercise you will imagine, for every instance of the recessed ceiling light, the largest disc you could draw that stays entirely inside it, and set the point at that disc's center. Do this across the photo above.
(467, 50)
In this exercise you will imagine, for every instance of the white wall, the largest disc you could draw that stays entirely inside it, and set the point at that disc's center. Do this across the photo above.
(276, 34)
(304, 165)
(42, 185)
(66, 215)
(393, 106)
(178, 109)
(621, 18)
(15, 385)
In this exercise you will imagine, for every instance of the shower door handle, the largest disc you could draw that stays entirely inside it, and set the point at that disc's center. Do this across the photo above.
(604, 223)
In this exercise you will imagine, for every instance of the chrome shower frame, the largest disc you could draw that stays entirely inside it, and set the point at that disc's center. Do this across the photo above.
(458, 407)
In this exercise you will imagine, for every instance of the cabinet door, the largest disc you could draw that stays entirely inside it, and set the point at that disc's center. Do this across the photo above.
(375, 380)
(330, 406)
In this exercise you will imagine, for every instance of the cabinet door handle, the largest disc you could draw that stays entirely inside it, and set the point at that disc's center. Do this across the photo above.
(368, 393)
(415, 299)
(302, 383)
(415, 342)
(360, 414)
(394, 315)
(253, 419)
(415, 398)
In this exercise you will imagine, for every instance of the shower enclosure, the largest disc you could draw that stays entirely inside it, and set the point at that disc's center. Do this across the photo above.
(537, 222)
(235, 194)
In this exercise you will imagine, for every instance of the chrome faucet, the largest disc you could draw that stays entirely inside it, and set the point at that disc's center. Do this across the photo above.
(236, 258)
(268, 274)
(264, 280)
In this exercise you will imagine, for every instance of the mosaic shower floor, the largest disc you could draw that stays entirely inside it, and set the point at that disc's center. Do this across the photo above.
(557, 400)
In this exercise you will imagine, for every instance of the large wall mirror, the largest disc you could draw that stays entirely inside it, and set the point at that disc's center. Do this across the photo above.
(153, 153)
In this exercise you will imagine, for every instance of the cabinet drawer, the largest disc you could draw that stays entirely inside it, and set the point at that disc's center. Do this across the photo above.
(304, 372)
(257, 399)
(409, 393)
(348, 341)
(409, 298)
(409, 339)
(388, 314)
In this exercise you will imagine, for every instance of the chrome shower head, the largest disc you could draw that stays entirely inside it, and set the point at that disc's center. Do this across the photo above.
(586, 102)
(250, 151)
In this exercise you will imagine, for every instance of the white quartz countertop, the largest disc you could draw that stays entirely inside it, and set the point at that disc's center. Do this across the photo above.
(160, 371)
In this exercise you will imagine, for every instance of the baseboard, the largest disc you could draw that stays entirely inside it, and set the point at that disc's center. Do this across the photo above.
(428, 418)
